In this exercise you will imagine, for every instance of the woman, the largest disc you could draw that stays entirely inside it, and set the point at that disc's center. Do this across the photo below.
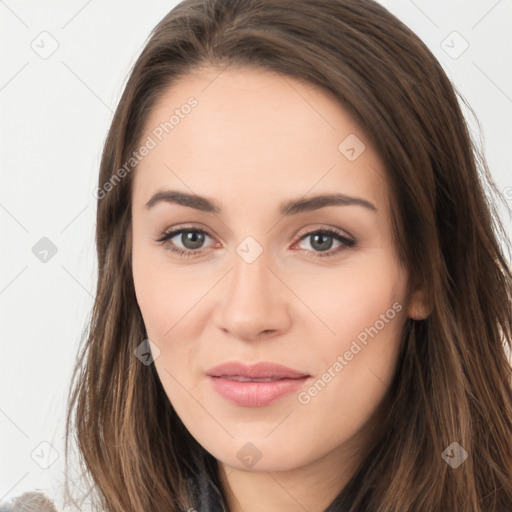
(302, 300)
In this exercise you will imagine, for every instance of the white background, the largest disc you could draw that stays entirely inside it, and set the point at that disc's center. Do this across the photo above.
(55, 113)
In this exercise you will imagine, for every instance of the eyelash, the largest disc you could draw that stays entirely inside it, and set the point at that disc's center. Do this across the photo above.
(346, 242)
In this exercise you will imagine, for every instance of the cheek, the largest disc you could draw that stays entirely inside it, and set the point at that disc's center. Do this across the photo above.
(164, 293)
(364, 310)
(173, 306)
(354, 297)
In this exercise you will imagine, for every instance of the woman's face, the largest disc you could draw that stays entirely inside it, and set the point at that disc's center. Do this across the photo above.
(312, 322)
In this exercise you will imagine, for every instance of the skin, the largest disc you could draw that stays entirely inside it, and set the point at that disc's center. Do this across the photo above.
(255, 140)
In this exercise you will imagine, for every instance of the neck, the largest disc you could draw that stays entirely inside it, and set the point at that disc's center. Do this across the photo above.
(312, 487)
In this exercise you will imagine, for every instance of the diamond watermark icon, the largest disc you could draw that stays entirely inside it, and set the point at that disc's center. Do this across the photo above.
(454, 455)
(249, 454)
(454, 45)
(351, 147)
(44, 455)
(147, 352)
(44, 250)
(249, 249)
(45, 45)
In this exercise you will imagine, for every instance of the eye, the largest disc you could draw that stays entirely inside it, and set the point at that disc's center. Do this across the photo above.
(192, 239)
(322, 241)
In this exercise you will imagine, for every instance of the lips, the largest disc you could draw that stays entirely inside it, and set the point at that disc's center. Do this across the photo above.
(268, 371)
(255, 385)
(241, 378)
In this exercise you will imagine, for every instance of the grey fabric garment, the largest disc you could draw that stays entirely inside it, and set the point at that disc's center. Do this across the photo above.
(29, 502)
(205, 496)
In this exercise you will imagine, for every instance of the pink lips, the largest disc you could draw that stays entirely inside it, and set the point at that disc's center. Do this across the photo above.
(255, 385)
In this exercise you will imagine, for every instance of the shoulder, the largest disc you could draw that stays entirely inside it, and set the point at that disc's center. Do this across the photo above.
(29, 502)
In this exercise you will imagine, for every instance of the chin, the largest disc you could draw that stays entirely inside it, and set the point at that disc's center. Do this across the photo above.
(259, 455)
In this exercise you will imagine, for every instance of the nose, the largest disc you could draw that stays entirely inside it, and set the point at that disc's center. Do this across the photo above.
(255, 303)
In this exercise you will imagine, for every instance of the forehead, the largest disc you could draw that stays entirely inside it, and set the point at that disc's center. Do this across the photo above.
(252, 132)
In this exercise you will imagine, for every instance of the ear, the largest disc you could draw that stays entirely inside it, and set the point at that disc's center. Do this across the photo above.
(418, 307)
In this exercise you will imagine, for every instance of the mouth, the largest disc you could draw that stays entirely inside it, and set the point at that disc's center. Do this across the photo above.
(255, 385)
(264, 371)
(241, 378)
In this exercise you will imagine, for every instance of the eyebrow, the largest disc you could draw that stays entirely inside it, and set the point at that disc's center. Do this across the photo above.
(291, 207)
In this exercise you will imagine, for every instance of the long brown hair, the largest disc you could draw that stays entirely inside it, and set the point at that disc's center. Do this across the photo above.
(453, 378)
